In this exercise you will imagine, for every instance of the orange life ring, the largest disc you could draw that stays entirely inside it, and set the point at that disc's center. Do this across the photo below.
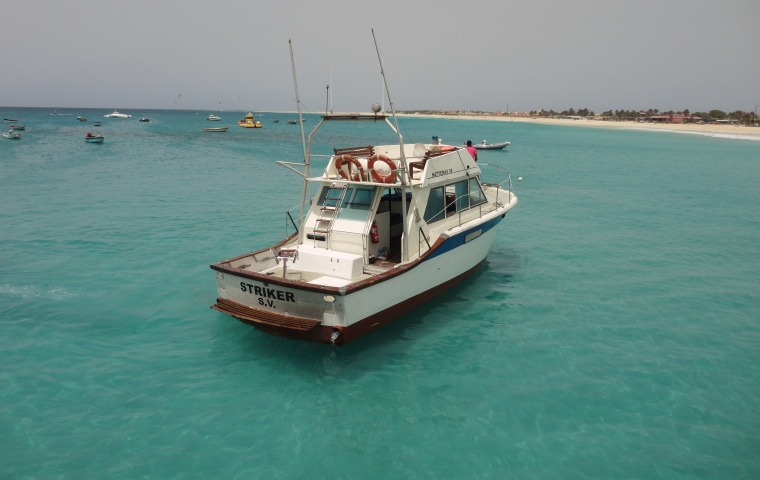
(391, 177)
(351, 161)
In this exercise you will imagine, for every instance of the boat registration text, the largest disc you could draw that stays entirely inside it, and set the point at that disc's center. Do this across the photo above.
(267, 293)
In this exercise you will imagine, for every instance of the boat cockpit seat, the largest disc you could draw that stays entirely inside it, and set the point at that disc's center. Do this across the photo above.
(356, 152)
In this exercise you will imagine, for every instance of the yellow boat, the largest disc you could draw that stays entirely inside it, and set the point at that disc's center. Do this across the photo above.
(248, 122)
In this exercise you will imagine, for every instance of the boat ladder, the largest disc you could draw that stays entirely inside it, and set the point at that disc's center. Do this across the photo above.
(329, 211)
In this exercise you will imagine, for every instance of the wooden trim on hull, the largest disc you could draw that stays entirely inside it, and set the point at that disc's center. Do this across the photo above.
(311, 330)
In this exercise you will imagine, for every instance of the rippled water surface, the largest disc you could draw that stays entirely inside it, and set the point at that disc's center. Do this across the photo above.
(613, 331)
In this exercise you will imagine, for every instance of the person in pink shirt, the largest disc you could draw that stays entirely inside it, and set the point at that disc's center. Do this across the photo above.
(472, 150)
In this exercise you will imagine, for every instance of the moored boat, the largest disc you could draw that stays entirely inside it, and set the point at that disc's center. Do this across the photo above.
(116, 114)
(96, 124)
(249, 122)
(90, 138)
(215, 129)
(16, 126)
(144, 119)
(490, 146)
(213, 118)
(12, 135)
(389, 228)
(81, 119)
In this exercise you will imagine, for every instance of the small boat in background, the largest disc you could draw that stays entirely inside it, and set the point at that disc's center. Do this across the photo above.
(490, 146)
(248, 122)
(81, 119)
(90, 138)
(213, 118)
(12, 135)
(215, 129)
(96, 124)
(17, 127)
(143, 119)
(10, 120)
(116, 114)
(275, 121)
(292, 122)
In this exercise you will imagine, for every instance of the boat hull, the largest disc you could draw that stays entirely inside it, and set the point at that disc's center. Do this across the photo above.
(338, 315)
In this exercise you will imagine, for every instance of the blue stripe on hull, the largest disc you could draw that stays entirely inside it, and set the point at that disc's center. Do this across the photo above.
(460, 239)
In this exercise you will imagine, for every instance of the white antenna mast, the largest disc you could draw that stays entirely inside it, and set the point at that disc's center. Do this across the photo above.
(303, 137)
(401, 148)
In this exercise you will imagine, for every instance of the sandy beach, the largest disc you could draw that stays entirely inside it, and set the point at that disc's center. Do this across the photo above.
(732, 131)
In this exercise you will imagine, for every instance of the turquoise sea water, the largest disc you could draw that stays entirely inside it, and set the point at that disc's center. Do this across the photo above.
(613, 332)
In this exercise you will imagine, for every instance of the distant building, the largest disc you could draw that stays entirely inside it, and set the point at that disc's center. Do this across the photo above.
(673, 118)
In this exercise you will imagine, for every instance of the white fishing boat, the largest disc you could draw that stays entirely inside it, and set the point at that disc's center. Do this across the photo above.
(116, 114)
(213, 118)
(389, 227)
(12, 135)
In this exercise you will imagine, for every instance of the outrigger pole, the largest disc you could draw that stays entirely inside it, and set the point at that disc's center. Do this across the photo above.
(306, 154)
(401, 147)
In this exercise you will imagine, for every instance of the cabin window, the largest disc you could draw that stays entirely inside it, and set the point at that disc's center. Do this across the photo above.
(356, 202)
(361, 199)
(435, 208)
(477, 196)
(462, 198)
(354, 199)
(329, 196)
(453, 198)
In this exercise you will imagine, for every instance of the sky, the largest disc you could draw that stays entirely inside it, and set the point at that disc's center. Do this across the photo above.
(517, 55)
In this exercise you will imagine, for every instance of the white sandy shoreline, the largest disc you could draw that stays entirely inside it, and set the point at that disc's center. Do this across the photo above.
(733, 131)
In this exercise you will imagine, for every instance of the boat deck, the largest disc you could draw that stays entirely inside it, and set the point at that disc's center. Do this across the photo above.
(292, 272)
